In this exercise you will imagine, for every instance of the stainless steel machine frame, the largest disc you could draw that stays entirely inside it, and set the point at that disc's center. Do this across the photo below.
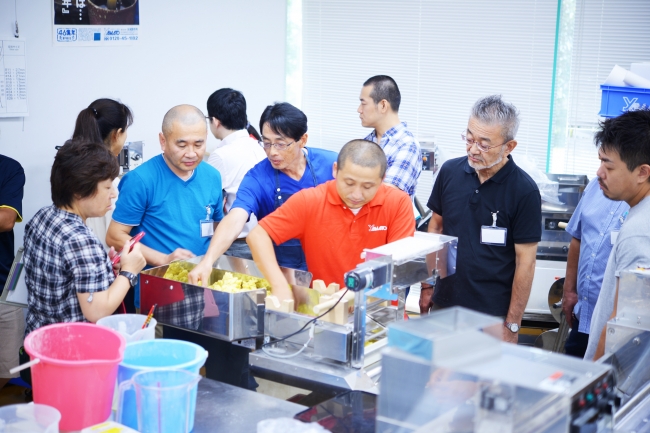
(627, 348)
(450, 372)
(347, 356)
(555, 240)
(227, 316)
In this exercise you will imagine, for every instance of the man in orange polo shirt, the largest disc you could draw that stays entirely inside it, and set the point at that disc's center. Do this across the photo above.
(336, 220)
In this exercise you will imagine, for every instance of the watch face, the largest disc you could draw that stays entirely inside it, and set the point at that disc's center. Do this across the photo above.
(512, 327)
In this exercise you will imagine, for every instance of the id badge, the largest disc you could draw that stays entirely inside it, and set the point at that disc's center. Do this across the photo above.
(207, 228)
(613, 235)
(491, 235)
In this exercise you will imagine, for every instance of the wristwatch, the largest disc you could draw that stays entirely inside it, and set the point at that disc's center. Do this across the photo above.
(133, 278)
(512, 327)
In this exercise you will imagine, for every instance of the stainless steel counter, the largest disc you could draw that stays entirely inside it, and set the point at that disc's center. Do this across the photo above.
(225, 408)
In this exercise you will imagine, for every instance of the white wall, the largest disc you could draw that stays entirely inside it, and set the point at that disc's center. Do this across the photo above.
(187, 50)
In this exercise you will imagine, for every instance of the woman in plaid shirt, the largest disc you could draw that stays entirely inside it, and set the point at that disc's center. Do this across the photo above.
(69, 275)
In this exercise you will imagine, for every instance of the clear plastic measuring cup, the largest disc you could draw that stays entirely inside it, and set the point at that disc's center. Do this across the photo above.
(29, 418)
(164, 400)
(130, 326)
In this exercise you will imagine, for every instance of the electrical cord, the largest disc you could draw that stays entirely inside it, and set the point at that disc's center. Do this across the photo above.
(278, 355)
(306, 324)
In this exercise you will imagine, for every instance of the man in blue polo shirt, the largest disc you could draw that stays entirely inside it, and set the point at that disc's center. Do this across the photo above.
(176, 199)
(593, 226)
(288, 168)
(494, 208)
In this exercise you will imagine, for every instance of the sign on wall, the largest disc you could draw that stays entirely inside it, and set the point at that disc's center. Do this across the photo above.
(13, 84)
(95, 22)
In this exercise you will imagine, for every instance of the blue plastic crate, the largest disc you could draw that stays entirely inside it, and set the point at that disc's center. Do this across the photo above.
(618, 100)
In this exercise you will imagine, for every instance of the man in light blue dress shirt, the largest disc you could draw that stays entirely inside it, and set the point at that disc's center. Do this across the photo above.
(593, 228)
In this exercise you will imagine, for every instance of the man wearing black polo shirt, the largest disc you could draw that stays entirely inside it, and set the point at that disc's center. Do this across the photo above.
(494, 208)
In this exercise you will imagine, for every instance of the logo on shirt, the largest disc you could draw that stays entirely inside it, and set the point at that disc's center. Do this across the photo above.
(374, 228)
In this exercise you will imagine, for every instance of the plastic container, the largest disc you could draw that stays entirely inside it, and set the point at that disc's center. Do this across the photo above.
(617, 100)
(156, 355)
(165, 400)
(77, 370)
(32, 418)
(130, 326)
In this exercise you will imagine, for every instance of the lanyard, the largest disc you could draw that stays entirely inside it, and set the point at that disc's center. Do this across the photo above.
(278, 191)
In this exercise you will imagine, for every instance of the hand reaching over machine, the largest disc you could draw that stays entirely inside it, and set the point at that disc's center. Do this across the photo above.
(261, 247)
(200, 275)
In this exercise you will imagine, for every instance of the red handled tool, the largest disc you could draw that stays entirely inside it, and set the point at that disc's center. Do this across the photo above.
(149, 316)
(116, 258)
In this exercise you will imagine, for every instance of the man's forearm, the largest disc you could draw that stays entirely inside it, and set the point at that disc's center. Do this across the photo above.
(117, 234)
(435, 227)
(522, 282)
(227, 231)
(600, 350)
(571, 277)
(263, 253)
(521, 287)
(435, 224)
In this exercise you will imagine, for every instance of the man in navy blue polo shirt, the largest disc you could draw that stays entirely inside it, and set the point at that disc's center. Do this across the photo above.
(494, 208)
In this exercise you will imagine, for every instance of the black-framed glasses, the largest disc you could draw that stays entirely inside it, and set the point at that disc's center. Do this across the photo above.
(480, 146)
(279, 146)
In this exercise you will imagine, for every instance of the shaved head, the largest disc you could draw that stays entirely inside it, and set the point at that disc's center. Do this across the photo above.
(363, 153)
(185, 115)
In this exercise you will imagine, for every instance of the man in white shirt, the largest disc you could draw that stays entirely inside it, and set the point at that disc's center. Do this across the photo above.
(237, 153)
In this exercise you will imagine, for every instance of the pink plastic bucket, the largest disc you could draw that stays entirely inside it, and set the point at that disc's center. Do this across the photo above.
(77, 370)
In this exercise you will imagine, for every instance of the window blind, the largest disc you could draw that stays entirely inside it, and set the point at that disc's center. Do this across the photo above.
(605, 33)
(444, 56)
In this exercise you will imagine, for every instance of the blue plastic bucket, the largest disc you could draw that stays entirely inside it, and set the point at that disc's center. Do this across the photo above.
(164, 400)
(155, 355)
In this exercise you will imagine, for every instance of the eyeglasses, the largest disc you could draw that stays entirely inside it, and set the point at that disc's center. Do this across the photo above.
(480, 146)
(278, 146)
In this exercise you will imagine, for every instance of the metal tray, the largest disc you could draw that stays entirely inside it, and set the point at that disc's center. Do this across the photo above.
(223, 315)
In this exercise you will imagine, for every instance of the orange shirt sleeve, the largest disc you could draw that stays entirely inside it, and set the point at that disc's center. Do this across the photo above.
(287, 221)
(403, 224)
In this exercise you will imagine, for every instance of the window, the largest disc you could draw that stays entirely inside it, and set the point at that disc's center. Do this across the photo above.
(594, 36)
(444, 56)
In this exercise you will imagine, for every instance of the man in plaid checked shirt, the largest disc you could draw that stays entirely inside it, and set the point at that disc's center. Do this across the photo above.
(380, 99)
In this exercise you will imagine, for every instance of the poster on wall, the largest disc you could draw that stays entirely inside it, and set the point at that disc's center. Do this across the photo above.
(95, 22)
(13, 84)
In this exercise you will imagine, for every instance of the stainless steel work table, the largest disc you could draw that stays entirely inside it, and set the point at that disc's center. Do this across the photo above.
(223, 407)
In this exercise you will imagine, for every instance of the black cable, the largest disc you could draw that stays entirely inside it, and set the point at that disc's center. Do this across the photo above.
(306, 324)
